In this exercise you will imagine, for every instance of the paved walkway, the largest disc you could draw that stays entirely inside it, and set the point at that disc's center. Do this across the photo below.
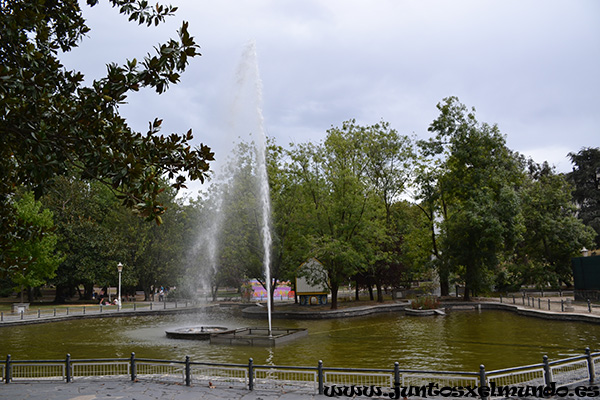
(36, 316)
(138, 391)
(549, 305)
(157, 391)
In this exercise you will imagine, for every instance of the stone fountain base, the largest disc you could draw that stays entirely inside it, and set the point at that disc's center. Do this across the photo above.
(258, 336)
(196, 332)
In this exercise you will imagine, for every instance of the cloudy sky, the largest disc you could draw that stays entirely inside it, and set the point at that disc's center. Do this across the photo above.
(530, 66)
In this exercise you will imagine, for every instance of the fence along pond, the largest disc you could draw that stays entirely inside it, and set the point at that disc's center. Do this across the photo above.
(313, 379)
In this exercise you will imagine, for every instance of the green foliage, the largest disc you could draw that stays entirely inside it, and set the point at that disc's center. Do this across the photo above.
(553, 233)
(81, 212)
(586, 181)
(474, 192)
(36, 256)
(51, 123)
(348, 186)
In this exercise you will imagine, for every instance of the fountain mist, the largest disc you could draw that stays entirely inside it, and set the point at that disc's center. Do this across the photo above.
(246, 123)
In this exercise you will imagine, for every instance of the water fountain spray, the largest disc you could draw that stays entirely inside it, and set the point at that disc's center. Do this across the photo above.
(248, 74)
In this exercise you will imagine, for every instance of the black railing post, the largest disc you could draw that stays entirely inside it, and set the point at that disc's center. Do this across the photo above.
(67, 310)
(188, 371)
(83, 310)
(132, 367)
(22, 313)
(590, 363)
(396, 374)
(8, 372)
(482, 380)
(39, 313)
(320, 377)
(547, 372)
(2, 316)
(55, 312)
(500, 298)
(540, 303)
(548, 304)
(250, 374)
(150, 306)
(562, 305)
(68, 368)
(589, 305)
(514, 300)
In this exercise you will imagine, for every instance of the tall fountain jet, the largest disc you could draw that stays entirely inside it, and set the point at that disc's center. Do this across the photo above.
(242, 175)
(245, 132)
(248, 73)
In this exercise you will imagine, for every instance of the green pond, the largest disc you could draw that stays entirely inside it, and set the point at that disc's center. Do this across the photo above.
(459, 341)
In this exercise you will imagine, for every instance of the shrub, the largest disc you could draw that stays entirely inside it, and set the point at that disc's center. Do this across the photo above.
(425, 303)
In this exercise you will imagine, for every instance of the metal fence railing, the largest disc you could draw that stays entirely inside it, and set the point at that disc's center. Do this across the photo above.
(314, 379)
(49, 314)
(539, 302)
(525, 375)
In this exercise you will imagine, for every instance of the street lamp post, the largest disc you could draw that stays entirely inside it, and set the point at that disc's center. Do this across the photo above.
(120, 269)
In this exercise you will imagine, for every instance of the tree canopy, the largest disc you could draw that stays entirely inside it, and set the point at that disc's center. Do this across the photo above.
(476, 192)
(586, 179)
(52, 123)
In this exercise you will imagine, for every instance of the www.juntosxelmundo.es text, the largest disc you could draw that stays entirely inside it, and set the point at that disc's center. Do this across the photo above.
(434, 390)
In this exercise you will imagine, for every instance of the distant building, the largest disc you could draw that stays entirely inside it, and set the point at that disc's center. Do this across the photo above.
(586, 276)
(313, 290)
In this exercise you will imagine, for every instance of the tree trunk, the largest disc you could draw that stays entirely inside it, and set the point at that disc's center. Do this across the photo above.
(379, 293)
(215, 291)
(467, 295)
(273, 287)
(371, 297)
(59, 295)
(357, 292)
(334, 292)
(444, 274)
(148, 293)
(88, 291)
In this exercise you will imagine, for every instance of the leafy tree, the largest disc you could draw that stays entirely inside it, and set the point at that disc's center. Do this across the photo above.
(586, 179)
(337, 202)
(52, 123)
(389, 159)
(38, 253)
(82, 212)
(479, 182)
(153, 255)
(553, 234)
(432, 203)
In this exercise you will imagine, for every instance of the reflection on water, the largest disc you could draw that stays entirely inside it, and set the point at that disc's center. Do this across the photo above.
(459, 341)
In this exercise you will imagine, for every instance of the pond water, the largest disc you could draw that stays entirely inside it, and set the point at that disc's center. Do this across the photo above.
(460, 341)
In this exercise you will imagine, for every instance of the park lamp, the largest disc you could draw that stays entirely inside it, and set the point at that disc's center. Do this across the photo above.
(120, 269)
